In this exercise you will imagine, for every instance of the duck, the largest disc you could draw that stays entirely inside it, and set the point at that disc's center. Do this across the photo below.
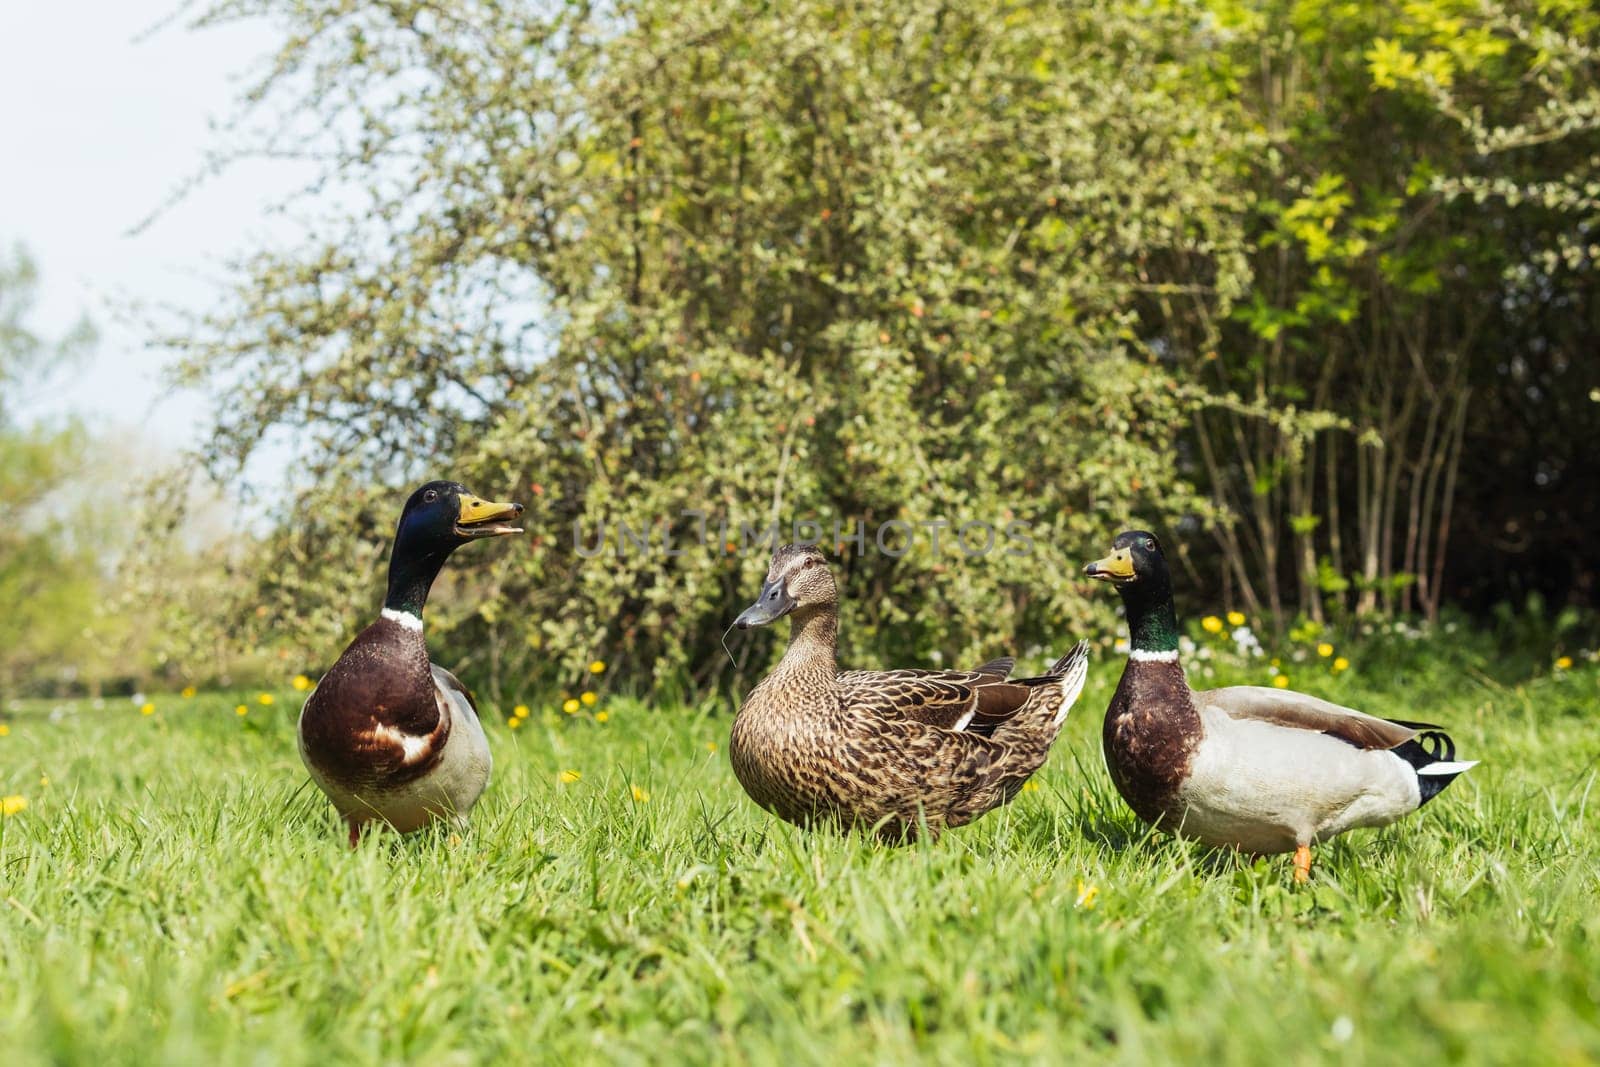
(389, 736)
(904, 754)
(1261, 770)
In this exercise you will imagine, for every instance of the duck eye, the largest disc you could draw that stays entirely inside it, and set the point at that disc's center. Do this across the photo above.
(431, 495)
(1149, 544)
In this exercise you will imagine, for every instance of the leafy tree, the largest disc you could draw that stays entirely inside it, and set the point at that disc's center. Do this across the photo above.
(760, 261)
(1518, 84)
(1254, 268)
(1407, 224)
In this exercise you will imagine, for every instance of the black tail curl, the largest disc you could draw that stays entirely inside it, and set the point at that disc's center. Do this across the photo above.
(1431, 745)
(1433, 740)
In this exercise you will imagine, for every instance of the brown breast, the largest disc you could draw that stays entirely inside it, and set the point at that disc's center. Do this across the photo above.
(1151, 731)
(379, 693)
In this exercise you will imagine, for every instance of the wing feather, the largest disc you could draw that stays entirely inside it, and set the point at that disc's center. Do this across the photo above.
(952, 700)
(998, 668)
(450, 688)
(1299, 711)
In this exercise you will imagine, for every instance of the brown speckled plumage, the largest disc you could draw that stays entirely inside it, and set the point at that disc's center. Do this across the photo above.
(890, 750)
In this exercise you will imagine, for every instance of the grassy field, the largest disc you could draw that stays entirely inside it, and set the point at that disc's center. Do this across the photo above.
(174, 892)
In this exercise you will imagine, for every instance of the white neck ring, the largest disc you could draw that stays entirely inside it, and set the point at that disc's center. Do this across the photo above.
(404, 618)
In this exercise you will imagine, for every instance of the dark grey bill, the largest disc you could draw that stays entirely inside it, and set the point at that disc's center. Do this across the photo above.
(773, 603)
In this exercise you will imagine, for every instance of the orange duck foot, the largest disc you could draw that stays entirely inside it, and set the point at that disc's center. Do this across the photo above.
(1302, 864)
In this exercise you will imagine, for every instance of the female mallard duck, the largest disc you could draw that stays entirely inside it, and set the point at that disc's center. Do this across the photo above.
(1262, 770)
(386, 734)
(892, 750)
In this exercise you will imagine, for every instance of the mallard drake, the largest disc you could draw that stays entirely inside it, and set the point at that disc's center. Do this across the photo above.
(386, 734)
(1248, 767)
(891, 750)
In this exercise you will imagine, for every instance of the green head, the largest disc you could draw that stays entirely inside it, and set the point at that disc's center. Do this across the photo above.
(438, 518)
(1137, 567)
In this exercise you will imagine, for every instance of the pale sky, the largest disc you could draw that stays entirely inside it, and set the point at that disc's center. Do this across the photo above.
(99, 124)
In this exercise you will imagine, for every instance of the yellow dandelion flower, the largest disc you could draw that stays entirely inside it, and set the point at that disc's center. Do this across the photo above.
(241, 710)
(44, 780)
(301, 682)
(568, 777)
(4, 729)
(640, 795)
(1030, 786)
(1235, 618)
(1324, 650)
(188, 692)
(602, 716)
(1281, 681)
(147, 708)
(711, 746)
(589, 699)
(1275, 662)
(1564, 663)
(570, 707)
(1211, 624)
(521, 711)
(597, 667)
(1341, 664)
(265, 699)
(1086, 894)
(12, 804)
(513, 722)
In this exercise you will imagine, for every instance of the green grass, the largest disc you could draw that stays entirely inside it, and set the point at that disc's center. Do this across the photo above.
(178, 894)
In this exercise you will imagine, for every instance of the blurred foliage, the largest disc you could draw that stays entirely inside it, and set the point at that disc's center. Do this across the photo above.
(54, 626)
(114, 566)
(1242, 272)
